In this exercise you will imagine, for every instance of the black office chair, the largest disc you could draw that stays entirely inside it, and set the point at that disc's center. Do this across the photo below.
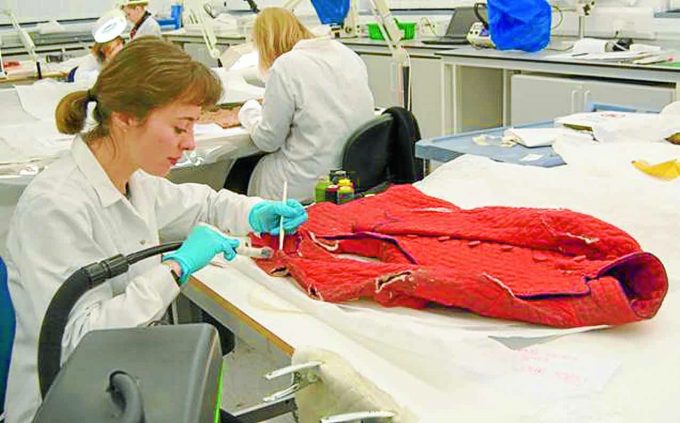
(382, 152)
(367, 153)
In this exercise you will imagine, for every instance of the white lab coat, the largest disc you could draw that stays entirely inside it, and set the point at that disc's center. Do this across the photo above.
(88, 70)
(72, 215)
(317, 94)
(149, 27)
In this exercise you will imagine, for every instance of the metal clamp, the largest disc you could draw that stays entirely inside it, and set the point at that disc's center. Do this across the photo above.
(303, 375)
(360, 416)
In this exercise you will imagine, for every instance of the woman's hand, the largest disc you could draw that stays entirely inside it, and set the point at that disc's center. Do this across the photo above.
(265, 216)
(202, 244)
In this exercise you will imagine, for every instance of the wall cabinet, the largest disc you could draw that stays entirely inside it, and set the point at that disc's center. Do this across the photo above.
(537, 98)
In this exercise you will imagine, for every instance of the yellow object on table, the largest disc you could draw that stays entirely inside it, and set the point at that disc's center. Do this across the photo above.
(667, 170)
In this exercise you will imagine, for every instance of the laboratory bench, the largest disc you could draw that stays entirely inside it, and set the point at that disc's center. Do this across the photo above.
(446, 148)
(531, 87)
(74, 40)
(461, 88)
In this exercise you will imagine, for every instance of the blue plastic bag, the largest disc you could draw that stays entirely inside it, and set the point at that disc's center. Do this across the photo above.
(331, 11)
(520, 24)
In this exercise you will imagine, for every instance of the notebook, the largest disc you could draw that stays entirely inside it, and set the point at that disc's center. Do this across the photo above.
(459, 25)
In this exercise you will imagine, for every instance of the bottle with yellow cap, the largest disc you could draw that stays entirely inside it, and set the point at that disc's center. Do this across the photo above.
(345, 191)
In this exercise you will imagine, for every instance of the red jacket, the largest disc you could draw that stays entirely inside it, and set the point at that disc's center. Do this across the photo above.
(548, 266)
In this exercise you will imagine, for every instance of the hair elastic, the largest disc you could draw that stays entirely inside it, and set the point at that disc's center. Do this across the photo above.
(91, 97)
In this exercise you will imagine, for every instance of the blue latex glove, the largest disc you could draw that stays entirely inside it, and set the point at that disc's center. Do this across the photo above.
(266, 215)
(202, 244)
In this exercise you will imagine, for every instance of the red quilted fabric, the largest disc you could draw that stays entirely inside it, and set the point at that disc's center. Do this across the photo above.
(547, 266)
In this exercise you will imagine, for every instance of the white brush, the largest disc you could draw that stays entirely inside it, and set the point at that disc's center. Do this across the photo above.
(282, 235)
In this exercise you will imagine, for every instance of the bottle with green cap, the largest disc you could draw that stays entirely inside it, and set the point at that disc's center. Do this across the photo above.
(345, 191)
(320, 189)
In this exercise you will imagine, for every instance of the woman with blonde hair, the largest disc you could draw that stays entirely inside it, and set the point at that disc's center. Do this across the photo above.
(316, 95)
(108, 197)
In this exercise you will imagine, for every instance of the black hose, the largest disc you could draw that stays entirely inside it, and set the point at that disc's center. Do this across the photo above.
(52, 330)
(127, 396)
(56, 316)
(152, 251)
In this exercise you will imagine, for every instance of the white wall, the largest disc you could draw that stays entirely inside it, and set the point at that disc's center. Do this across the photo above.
(44, 10)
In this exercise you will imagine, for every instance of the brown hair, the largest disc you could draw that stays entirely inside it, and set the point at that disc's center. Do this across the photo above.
(101, 50)
(275, 32)
(147, 74)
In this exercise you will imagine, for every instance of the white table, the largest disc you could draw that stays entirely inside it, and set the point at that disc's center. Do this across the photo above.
(443, 372)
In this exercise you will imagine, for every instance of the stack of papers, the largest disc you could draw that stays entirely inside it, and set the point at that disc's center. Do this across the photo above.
(541, 137)
(624, 126)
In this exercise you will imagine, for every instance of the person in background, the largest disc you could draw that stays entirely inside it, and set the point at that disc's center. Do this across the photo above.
(108, 196)
(316, 95)
(140, 18)
(101, 54)
(107, 33)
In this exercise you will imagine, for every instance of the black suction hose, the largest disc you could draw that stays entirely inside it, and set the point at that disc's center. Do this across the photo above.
(127, 396)
(56, 317)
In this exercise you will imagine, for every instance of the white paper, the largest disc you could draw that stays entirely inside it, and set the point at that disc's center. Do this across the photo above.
(628, 127)
(41, 98)
(531, 157)
(236, 89)
(201, 129)
(539, 137)
(589, 45)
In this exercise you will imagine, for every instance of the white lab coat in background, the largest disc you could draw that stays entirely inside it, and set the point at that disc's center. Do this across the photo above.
(72, 215)
(88, 70)
(149, 27)
(316, 96)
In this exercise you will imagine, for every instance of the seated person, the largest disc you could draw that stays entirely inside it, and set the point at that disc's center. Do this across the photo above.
(142, 21)
(108, 196)
(101, 54)
(107, 33)
(316, 96)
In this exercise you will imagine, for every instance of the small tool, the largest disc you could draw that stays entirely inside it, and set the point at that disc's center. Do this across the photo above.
(245, 249)
(258, 253)
(282, 234)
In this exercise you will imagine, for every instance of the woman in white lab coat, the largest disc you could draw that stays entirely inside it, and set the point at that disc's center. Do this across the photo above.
(140, 18)
(107, 34)
(316, 95)
(108, 196)
(101, 53)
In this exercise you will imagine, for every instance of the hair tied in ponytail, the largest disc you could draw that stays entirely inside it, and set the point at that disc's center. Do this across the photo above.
(90, 97)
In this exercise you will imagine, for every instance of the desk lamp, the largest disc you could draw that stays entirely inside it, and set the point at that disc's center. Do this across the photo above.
(583, 9)
(26, 40)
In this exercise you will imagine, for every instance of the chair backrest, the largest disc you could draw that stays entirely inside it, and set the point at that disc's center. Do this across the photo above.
(7, 327)
(366, 153)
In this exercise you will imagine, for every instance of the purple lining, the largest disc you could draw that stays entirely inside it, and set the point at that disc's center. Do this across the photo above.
(619, 261)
